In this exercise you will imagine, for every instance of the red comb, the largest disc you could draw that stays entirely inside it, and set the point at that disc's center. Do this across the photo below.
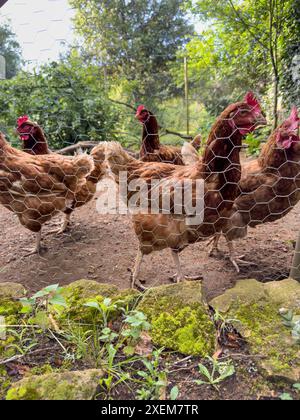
(251, 100)
(22, 120)
(140, 109)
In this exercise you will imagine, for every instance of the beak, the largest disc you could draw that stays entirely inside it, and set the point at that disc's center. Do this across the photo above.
(261, 121)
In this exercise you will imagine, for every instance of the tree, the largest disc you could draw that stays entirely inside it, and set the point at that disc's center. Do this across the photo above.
(254, 33)
(134, 41)
(291, 56)
(11, 50)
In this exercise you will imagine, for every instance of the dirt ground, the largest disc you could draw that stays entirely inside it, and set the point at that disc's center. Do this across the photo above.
(103, 248)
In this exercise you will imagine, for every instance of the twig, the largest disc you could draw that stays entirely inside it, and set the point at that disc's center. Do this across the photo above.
(123, 103)
(182, 360)
(81, 145)
(20, 356)
(175, 133)
(243, 356)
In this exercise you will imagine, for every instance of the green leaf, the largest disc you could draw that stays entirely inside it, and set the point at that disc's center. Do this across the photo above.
(174, 393)
(129, 350)
(297, 387)
(286, 397)
(58, 300)
(94, 305)
(204, 371)
(46, 291)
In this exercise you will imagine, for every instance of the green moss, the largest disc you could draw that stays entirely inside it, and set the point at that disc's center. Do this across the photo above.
(4, 382)
(256, 306)
(187, 330)
(179, 318)
(22, 393)
(55, 386)
(268, 336)
(127, 299)
(82, 292)
(9, 307)
(41, 370)
(89, 289)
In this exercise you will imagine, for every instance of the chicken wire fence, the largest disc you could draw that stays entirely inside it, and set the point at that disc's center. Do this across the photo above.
(210, 196)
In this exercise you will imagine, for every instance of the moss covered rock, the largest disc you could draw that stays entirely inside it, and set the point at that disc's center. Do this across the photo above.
(81, 292)
(10, 293)
(12, 290)
(179, 318)
(88, 288)
(57, 386)
(256, 306)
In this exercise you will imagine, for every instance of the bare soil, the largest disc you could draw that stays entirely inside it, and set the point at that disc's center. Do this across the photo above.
(103, 248)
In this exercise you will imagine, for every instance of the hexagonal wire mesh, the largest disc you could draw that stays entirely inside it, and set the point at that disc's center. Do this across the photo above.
(78, 152)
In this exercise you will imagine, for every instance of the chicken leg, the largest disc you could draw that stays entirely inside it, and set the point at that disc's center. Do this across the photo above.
(38, 247)
(236, 260)
(63, 226)
(179, 276)
(136, 271)
(213, 244)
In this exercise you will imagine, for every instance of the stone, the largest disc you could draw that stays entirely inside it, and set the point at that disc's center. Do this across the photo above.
(257, 307)
(78, 385)
(179, 318)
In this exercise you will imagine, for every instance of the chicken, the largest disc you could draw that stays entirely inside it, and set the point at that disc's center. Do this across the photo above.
(85, 193)
(152, 150)
(35, 143)
(219, 170)
(35, 188)
(269, 187)
(32, 136)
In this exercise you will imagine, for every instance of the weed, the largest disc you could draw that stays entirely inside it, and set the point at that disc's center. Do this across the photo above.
(220, 371)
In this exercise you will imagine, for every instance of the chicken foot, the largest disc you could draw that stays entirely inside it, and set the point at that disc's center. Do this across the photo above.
(179, 276)
(213, 244)
(38, 247)
(63, 226)
(236, 260)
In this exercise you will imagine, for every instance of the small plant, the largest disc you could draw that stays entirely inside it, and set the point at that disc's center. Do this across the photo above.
(286, 396)
(292, 321)
(48, 298)
(224, 323)
(105, 308)
(154, 381)
(23, 343)
(220, 371)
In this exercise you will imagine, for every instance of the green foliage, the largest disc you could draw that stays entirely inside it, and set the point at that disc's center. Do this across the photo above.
(240, 48)
(10, 49)
(291, 57)
(49, 298)
(153, 379)
(134, 41)
(220, 371)
(67, 98)
(292, 321)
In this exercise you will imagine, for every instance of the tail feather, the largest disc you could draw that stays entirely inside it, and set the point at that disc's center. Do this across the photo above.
(83, 165)
(197, 142)
(100, 166)
(118, 159)
(189, 154)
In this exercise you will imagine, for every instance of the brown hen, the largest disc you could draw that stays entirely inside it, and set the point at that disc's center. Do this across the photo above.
(220, 171)
(36, 188)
